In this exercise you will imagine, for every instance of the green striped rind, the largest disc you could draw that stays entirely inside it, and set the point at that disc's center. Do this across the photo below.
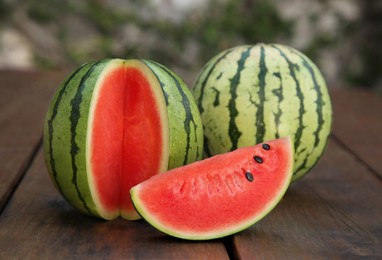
(250, 94)
(185, 126)
(65, 136)
(209, 68)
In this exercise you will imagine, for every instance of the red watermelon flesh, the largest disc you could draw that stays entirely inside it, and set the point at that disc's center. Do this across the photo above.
(128, 138)
(218, 196)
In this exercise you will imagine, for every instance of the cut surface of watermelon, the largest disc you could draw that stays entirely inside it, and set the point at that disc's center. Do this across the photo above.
(127, 135)
(220, 195)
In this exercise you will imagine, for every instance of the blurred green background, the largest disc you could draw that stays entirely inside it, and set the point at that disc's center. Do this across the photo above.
(343, 37)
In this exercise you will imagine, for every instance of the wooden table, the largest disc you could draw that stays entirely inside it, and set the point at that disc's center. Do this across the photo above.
(334, 212)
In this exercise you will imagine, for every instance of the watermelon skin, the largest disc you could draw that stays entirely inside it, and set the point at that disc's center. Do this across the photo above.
(218, 196)
(67, 164)
(254, 93)
(71, 119)
(184, 117)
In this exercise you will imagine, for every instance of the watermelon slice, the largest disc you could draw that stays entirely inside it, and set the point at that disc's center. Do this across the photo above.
(220, 195)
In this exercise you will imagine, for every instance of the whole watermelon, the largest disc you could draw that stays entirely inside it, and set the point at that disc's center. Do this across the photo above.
(250, 94)
(114, 123)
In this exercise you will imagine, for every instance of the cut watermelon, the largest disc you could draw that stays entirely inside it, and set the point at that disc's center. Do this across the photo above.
(218, 196)
(113, 124)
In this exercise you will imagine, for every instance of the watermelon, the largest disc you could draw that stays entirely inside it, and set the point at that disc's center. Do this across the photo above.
(254, 93)
(218, 196)
(114, 123)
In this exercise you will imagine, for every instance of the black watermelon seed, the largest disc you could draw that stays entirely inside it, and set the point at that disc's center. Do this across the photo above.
(249, 176)
(258, 159)
(266, 147)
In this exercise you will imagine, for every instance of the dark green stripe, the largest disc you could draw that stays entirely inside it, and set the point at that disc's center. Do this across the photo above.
(319, 109)
(50, 125)
(302, 166)
(165, 95)
(189, 117)
(319, 102)
(204, 83)
(279, 94)
(300, 96)
(233, 130)
(75, 115)
(162, 85)
(206, 147)
(217, 95)
(260, 124)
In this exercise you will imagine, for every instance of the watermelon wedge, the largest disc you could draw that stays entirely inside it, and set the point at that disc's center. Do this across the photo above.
(217, 196)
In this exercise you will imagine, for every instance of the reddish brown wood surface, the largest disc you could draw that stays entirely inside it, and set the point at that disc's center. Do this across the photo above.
(39, 224)
(24, 97)
(36, 222)
(333, 213)
(358, 125)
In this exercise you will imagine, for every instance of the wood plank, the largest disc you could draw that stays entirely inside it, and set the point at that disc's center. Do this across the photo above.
(24, 97)
(333, 213)
(358, 124)
(38, 224)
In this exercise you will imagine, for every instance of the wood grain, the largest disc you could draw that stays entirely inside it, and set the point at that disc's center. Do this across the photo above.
(23, 102)
(333, 213)
(358, 124)
(39, 224)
